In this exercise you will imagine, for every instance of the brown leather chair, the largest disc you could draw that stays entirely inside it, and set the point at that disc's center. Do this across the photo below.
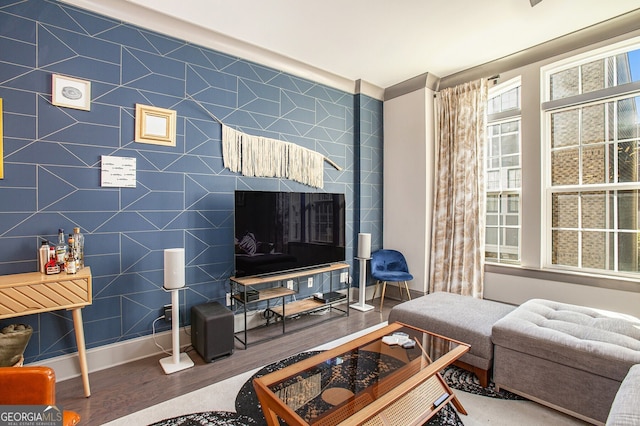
(32, 386)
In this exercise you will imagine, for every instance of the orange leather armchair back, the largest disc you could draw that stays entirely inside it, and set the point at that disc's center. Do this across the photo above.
(31, 386)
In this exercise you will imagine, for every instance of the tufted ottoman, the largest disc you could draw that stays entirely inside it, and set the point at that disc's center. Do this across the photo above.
(461, 318)
(569, 357)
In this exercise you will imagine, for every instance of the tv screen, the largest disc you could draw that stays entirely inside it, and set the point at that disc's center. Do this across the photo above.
(280, 231)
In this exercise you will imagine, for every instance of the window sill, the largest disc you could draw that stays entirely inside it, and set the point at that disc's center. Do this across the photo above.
(608, 282)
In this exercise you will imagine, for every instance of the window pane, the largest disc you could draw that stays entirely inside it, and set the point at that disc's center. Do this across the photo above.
(510, 127)
(510, 144)
(493, 180)
(594, 250)
(594, 165)
(491, 236)
(628, 210)
(565, 167)
(628, 252)
(492, 203)
(513, 179)
(510, 161)
(511, 237)
(593, 124)
(564, 128)
(628, 118)
(565, 248)
(564, 84)
(628, 67)
(628, 162)
(593, 76)
(513, 203)
(510, 99)
(594, 205)
(565, 210)
(596, 75)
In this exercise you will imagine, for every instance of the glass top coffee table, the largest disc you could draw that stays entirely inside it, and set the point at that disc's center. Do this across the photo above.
(387, 377)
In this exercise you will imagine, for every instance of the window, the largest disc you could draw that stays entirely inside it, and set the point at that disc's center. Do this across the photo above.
(592, 127)
(503, 174)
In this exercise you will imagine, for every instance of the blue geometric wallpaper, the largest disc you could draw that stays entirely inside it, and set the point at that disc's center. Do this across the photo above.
(183, 196)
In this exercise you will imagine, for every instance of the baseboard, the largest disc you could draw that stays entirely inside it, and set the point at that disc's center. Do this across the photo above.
(107, 356)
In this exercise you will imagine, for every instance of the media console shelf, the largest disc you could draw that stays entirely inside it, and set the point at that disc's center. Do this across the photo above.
(242, 287)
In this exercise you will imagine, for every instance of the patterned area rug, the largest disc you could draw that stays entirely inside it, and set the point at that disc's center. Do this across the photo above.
(248, 405)
(249, 411)
(213, 418)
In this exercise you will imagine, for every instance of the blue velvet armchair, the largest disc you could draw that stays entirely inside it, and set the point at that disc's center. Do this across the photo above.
(389, 266)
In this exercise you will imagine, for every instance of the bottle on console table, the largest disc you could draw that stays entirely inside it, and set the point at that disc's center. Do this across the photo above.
(61, 249)
(78, 240)
(52, 266)
(71, 264)
(43, 257)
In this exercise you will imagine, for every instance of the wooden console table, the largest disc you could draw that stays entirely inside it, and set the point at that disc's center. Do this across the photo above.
(33, 293)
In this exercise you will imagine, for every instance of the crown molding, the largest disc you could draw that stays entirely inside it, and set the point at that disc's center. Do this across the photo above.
(153, 20)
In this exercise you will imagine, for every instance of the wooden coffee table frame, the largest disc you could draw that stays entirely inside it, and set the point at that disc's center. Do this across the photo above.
(400, 400)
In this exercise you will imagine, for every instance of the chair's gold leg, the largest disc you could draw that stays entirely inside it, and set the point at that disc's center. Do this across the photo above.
(384, 289)
(406, 287)
(375, 290)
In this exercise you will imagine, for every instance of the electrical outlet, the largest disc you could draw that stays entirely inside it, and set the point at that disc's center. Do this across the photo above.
(310, 282)
(228, 299)
(167, 312)
(344, 276)
(290, 284)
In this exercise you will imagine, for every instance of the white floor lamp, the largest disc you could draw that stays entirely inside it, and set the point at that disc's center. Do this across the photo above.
(364, 254)
(174, 281)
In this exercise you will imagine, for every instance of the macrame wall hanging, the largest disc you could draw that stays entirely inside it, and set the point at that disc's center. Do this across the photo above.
(266, 157)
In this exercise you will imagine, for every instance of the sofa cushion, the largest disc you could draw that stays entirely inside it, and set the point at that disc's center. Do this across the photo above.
(625, 410)
(461, 318)
(602, 342)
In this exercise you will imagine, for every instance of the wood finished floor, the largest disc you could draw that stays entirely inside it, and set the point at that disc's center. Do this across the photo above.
(121, 390)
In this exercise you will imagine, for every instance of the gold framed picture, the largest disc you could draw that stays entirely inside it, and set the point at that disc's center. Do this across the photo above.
(155, 125)
(70, 92)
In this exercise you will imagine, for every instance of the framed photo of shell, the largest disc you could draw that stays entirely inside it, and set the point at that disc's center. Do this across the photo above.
(70, 92)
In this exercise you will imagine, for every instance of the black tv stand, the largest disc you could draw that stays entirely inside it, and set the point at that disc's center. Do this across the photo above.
(242, 286)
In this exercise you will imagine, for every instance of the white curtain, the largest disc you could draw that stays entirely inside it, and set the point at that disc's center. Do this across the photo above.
(457, 240)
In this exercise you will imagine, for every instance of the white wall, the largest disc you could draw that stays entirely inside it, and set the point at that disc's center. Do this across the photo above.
(516, 290)
(408, 176)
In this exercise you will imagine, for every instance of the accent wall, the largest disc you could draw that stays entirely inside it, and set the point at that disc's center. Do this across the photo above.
(183, 195)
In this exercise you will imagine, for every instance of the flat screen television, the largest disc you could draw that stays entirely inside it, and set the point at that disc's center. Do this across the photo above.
(281, 231)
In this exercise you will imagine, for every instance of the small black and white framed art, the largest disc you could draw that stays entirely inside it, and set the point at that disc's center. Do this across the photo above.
(70, 92)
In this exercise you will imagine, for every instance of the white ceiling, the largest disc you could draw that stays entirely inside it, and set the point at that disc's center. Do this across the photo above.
(385, 42)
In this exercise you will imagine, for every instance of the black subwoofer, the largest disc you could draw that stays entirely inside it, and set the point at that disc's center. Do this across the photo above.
(212, 330)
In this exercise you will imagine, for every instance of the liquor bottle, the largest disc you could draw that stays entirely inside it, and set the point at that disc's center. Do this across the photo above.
(52, 265)
(43, 256)
(61, 249)
(71, 265)
(78, 239)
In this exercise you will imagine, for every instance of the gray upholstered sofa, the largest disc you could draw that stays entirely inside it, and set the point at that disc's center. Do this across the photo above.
(568, 357)
(625, 410)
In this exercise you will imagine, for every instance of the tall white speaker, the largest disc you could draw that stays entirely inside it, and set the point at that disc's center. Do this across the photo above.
(174, 280)
(364, 254)
(174, 268)
(364, 245)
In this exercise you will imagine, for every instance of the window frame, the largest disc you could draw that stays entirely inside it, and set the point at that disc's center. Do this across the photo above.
(498, 118)
(548, 108)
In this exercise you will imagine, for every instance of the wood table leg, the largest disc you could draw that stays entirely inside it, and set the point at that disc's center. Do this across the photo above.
(82, 352)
